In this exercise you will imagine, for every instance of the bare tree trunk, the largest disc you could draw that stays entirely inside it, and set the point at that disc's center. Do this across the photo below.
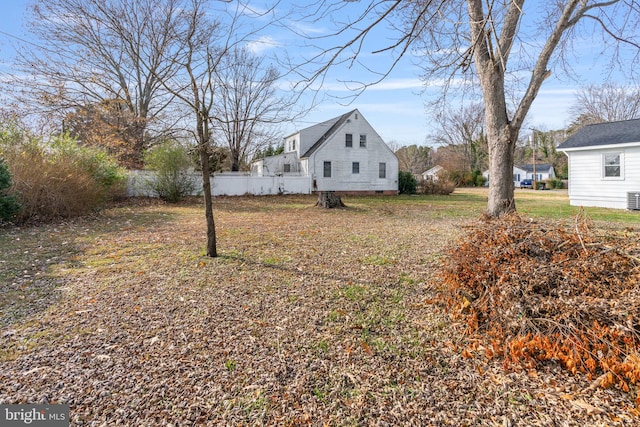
(235, 162)
(501, 138)
(501, 135)
(203, 144)
(139, 143)
(329, 200)
(501, 193)
(212, 250)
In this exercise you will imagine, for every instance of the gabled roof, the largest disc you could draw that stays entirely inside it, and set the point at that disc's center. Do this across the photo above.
(333, 127)
(433, 170)
(539, 167)
(609, 133)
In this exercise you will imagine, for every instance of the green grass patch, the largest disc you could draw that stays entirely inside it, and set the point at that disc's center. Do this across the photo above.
(230, 364)
(320, 347)
(377, 260)
(353, 292)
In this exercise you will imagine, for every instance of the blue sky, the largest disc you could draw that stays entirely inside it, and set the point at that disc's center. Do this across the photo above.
(395, 107)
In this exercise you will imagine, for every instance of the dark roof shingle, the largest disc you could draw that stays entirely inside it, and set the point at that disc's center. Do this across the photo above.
(327, 134)
(609, 133)
(539, 167)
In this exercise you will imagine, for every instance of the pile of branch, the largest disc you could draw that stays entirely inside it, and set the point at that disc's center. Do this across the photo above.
(551, 291)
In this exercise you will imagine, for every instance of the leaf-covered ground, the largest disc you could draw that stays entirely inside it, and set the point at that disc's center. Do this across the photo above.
(308, 317)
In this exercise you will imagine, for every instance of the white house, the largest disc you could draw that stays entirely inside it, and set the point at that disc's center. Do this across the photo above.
(604, 165)
(344, 154)
(432, 174)
(543, 172)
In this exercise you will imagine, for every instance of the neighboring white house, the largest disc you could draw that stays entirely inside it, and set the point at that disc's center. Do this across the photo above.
(543, 172)
(344, 154)
(604, 165)
(432, 174)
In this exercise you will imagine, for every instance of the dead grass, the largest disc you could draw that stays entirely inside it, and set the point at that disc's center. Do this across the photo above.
(308, 317)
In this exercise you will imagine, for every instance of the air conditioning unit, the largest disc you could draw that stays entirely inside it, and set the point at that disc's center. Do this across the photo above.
(633, 200)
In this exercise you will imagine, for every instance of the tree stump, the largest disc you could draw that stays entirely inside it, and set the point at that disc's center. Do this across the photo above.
(329, 200)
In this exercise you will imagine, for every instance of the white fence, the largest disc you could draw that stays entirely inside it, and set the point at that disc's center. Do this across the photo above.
(228, 184)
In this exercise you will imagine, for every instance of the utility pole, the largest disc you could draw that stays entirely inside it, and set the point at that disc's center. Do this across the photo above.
(532, 141)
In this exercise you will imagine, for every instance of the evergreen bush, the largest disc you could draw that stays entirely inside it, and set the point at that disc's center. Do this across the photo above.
(407, 183)
(9, 205)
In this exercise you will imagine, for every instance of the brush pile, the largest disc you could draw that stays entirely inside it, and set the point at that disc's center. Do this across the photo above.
(538, 292)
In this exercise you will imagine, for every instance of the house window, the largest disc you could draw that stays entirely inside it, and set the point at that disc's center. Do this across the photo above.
(287, 167)
(293, 145)
(327, 169)
(516, 177)
(612, 163)
(363, 141)
(382, 170)
(355, 167)
(348, 140)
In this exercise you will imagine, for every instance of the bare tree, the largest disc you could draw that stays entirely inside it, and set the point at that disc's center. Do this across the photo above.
(413, 158)
(202, 45)
(89, 51)
(248, 106)
(505, 47)
(197, 53)
(608, 102)
(462, 131)
(455, 164)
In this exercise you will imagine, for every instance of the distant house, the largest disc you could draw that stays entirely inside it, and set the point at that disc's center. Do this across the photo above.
(432, 174)
(344, 154)
(543, 172)
(604, 165)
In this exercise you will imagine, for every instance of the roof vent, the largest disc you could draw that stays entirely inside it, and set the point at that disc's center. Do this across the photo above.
(633, 200)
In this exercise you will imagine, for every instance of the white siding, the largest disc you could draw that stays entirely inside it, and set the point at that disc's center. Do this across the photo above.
(587, 187)
(518, 175)
(342, 158)
(274, 165)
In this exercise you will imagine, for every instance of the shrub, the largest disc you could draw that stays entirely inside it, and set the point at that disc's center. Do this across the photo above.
(479, 181)
(460, 178)
(437, 187)
(171, 165)
(50, 187)
(9, 206)
(102, 167)
(443, 184)
(61, 179)
(407, 183)
(556, 183)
